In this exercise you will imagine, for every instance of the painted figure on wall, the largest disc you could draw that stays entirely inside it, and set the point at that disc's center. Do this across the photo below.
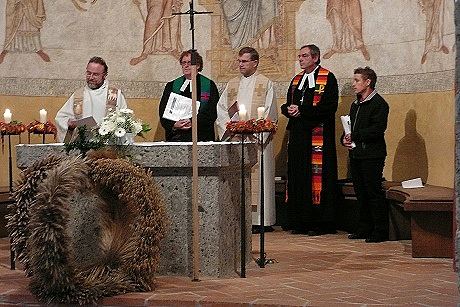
(79, 4)
(345, 17)
(24, 19)
(162, 29)
(434, 11)
(250, 22)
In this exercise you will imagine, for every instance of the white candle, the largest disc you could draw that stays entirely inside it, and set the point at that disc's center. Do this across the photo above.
(43, 114)
(7, 116)
(261, 112)
(242, 112)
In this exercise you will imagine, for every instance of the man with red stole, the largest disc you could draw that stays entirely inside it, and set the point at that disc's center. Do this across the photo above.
(312, 100)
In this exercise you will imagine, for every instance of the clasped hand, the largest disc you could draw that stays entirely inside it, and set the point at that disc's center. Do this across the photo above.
(346, 141)
(293, 110)
(183, 124)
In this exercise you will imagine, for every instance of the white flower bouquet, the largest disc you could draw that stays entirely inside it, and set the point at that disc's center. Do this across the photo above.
(120, 126)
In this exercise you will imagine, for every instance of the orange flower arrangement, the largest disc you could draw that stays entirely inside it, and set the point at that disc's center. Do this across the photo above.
(252, 126)
(13, 128)
(40, 128)
(37, 127)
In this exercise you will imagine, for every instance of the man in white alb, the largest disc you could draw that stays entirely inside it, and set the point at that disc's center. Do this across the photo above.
(95, 99)
(253, 90)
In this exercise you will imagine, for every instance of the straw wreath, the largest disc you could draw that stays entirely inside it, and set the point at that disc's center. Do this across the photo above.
(132, 225)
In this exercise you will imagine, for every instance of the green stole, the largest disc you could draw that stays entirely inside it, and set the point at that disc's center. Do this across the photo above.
(205, 87)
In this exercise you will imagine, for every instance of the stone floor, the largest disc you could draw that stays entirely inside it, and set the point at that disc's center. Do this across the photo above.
(328, 270)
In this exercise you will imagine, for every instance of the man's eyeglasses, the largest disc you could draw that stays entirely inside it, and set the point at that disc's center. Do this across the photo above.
(245, 61)
(183, 63)
(94, 74)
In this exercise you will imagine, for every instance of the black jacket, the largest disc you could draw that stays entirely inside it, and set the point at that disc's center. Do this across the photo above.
(368, 124)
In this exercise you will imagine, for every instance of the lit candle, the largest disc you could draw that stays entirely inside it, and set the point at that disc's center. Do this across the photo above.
(43, 114)
(242, 112)
(7, 116)
(261, 112)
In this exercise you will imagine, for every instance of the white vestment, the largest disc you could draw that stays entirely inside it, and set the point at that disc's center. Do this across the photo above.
(94, 104)
(246, 90)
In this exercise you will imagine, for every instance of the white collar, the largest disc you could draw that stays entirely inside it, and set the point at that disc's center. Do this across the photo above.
(311, 79)
(369, 97)
(100, 89)
(249, 77)
(185, 84)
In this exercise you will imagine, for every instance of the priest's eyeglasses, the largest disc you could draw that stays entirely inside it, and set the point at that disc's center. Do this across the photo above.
(93, 74)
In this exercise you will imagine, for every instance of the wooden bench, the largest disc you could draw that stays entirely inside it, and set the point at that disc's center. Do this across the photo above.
(347, 208)
(424, 215)
(4, 202)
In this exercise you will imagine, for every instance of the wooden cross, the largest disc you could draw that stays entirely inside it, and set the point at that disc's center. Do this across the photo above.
(195, 215)
(191, 12)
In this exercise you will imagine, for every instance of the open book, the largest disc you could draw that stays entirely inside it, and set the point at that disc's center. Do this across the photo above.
(72, 133)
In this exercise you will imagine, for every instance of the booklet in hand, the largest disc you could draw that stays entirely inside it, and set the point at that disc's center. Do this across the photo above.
(179, 107)
(346, 124)
(72, 133)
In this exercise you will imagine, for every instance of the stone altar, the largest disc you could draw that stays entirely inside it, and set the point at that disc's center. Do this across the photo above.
(219, 168)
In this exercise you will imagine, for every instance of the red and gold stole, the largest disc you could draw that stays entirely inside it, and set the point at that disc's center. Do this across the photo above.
(317, 140)
(317, 134)
(111, 102)
(295, 82)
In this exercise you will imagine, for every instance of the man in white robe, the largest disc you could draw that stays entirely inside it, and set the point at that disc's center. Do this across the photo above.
(253, 90)
(96, 99)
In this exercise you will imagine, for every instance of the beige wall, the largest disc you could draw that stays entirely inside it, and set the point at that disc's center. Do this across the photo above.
(420, 135)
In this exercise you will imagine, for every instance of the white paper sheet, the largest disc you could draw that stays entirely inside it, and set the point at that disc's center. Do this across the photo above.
(179, 107)
(412, 183)
(347, 126)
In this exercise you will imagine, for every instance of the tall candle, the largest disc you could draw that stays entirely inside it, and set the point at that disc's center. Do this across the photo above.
(7, 116)
(261, 112)
(43, 114)
(242, 112)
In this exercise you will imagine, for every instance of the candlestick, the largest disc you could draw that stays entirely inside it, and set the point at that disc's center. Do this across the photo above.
(43, 114)
(261, 112)
(242, 112)
(7, 116)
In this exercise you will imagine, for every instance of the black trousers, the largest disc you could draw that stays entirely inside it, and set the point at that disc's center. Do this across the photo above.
(373, 209)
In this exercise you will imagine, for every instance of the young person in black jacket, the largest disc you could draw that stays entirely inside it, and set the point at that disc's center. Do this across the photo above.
(367, 152)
